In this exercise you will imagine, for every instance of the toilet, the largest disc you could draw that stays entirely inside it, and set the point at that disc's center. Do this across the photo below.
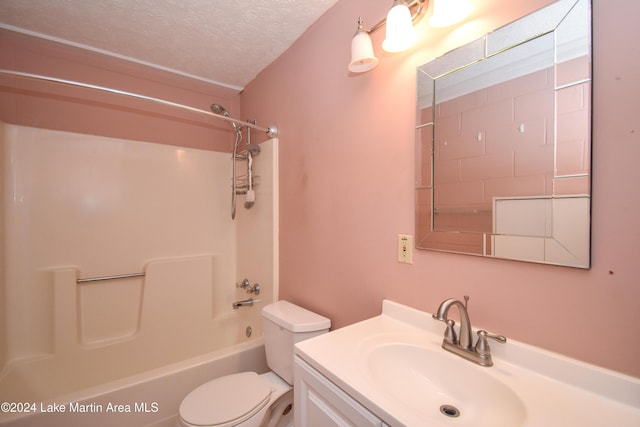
(247, 399)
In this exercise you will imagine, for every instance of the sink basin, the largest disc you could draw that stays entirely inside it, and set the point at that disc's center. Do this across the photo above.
(393, 365)
(437, 385)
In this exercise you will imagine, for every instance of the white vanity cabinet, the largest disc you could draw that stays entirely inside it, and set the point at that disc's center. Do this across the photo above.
(320, 403)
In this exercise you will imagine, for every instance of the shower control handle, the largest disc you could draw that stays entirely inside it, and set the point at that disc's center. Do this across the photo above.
(244, 284)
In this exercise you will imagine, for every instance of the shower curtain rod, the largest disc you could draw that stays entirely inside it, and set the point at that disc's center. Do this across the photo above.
(271, 131)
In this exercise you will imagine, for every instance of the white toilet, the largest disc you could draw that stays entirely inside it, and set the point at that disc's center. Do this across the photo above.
(251, 400)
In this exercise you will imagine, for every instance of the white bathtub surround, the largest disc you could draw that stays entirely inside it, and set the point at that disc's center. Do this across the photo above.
(81, 206)
(153, 397)
(103, 331)
(530, 386)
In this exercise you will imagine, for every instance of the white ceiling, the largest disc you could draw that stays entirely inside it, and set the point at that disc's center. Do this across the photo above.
(223, 41)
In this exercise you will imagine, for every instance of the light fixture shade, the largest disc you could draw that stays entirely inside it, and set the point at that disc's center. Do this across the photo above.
(400, 32)
(362, 57)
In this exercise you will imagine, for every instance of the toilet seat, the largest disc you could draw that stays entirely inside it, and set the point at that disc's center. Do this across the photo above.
(226, 401)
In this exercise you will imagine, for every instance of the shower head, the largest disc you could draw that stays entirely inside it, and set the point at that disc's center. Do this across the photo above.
(219, 109)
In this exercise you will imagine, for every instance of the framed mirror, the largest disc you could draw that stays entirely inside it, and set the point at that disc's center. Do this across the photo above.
(503, 142)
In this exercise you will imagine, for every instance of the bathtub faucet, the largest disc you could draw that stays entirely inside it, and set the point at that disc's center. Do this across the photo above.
(244, 303)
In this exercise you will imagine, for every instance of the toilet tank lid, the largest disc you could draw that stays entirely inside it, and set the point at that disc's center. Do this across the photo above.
(295, 318)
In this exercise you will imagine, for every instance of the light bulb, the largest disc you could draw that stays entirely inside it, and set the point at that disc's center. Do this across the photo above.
(449, 12)
(400, 32)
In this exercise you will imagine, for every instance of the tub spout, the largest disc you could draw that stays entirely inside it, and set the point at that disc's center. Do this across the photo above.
(244, 303)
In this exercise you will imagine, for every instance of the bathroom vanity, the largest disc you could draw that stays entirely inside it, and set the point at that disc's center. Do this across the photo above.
(391, 370)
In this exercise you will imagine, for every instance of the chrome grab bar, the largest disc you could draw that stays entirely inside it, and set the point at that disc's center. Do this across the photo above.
(120, 276)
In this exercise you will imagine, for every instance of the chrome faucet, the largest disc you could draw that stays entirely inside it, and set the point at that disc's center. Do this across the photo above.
(244, 303)
(463, 346)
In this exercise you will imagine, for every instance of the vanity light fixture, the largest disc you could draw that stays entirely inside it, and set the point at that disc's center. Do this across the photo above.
(400, 34)
(362, 57)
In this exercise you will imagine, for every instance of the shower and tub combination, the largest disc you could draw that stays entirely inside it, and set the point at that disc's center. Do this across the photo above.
(127, 297)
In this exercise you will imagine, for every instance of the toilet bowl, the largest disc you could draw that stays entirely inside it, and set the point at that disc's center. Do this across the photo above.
(248, 399)
(245, 399)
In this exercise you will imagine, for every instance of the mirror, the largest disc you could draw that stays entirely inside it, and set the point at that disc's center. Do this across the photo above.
(503, 142)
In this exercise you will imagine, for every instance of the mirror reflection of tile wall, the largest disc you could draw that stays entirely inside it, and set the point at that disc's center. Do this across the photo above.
(509, 129)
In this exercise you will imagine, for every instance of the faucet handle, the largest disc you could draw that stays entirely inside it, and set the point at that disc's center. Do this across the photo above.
(482, 346)
(500, 338)
(450, 333)
(244, 284)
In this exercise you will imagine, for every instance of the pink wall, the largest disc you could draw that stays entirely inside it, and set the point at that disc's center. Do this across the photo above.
(3, 297)
(53, 106)
(347, 189)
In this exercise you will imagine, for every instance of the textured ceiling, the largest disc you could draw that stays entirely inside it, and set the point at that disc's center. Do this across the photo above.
(225, 41)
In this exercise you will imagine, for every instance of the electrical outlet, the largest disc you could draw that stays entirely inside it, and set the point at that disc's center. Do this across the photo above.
(405, 248)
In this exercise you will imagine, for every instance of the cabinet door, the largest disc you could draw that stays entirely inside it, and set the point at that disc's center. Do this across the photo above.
(320, 403)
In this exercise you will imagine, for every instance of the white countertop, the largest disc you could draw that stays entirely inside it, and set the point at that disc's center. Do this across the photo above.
(554, 390)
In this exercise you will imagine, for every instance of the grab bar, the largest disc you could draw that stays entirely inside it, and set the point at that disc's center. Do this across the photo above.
(121, 276)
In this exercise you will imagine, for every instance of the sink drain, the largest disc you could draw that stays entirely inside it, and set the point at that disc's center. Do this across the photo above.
(450, 411)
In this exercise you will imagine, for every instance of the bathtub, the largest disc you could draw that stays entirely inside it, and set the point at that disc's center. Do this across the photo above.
(126, 353)
(141, 342)
(151, 398)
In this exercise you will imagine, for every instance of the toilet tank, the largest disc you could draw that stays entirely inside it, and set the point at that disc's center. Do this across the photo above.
(284, 325)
